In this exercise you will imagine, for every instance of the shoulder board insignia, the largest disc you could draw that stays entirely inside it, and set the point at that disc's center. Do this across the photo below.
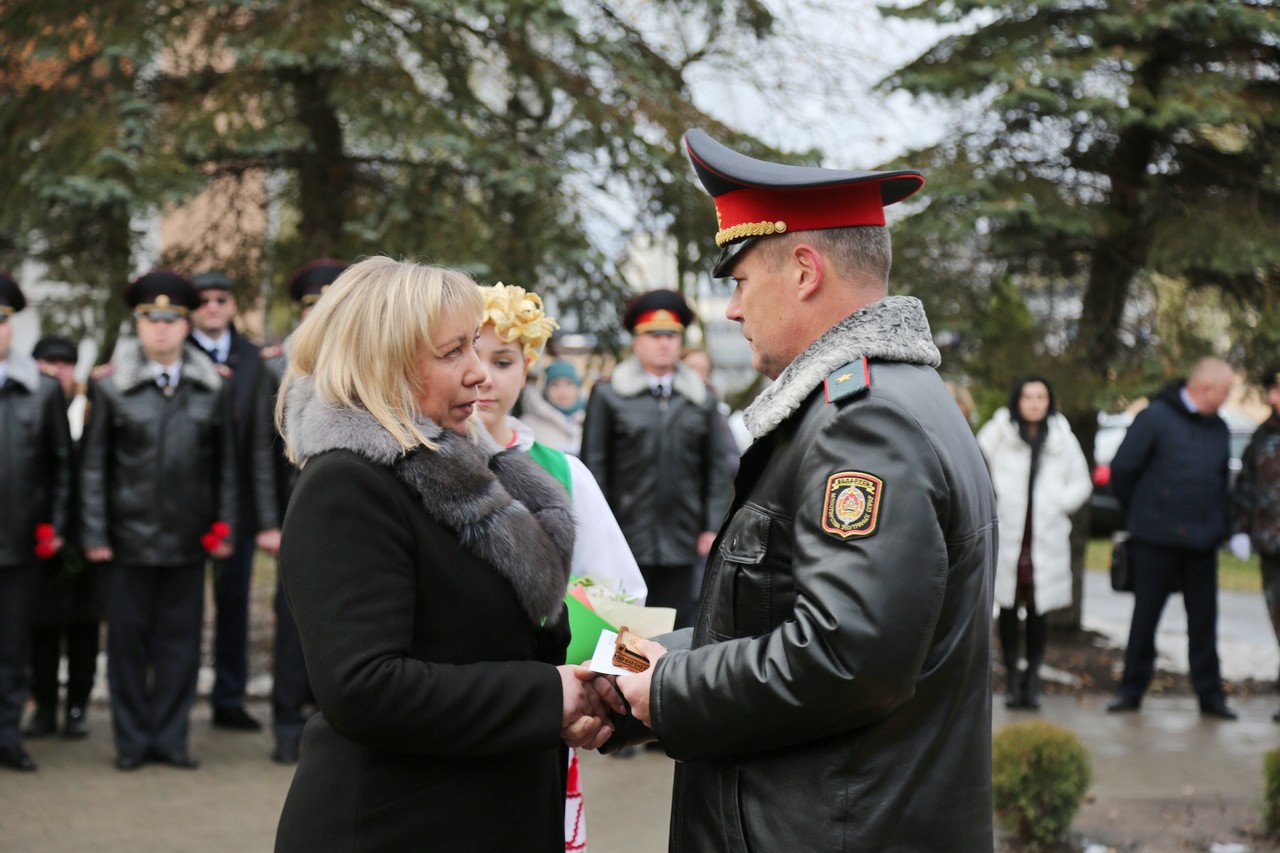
(847, 381)
(272, 352)
(102, 371)
(223, 370)
(851, 506)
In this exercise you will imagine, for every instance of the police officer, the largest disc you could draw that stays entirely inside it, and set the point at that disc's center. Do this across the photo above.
(67, 610)
(35, 489)
(158, 496)
(653, 439)
(276, 475)
(213, 330)
(837, 690)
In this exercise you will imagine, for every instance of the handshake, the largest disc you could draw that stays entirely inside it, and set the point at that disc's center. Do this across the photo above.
(589, 696)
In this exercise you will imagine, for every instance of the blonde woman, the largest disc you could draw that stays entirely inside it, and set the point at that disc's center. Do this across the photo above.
(515, 330)
(426, 570)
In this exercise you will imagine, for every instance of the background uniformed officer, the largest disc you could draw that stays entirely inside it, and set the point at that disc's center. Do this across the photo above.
(35, 489)
(213, 330)
(158, 495)
(291, 690)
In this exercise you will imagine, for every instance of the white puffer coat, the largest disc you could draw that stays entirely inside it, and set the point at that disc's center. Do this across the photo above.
(1062, 486)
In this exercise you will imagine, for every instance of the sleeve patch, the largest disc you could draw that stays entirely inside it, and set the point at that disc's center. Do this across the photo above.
(852, 504)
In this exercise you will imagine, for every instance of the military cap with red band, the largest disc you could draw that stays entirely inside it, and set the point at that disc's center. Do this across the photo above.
(755, 198)
(657, 311)
(162, 295)
(11, 299)
(312, 279)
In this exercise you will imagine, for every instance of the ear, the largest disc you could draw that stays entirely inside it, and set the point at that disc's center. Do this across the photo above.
(809, 268)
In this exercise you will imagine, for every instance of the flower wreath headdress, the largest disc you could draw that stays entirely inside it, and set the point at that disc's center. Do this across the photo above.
(518, 315)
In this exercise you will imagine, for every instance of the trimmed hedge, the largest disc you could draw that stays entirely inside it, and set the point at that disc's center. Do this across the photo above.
(1039, 775)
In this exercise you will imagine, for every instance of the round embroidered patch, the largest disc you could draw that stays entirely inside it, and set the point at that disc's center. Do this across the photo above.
(852, 504)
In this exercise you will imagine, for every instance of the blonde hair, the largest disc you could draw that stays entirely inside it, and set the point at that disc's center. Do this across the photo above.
(362, 342)
(518, 315)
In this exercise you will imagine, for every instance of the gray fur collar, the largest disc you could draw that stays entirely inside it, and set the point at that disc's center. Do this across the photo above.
(129, 366)
(502, 505)
(24, 371)
(630, 380)
(893, 329)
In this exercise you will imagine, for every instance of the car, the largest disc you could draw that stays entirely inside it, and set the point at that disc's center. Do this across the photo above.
(1106, 515)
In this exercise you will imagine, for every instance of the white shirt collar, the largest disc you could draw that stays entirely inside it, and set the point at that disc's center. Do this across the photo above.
(4, 371)
(174, 370)
(1187, 401)
(663, 382)
(221, 346)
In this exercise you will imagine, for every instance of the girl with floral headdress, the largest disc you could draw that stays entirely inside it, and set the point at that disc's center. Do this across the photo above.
(515, 329)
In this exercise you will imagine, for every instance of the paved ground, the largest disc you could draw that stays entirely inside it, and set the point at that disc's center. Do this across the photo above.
(1164, 779)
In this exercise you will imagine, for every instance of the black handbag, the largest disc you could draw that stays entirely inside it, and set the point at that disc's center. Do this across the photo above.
(1121, 577)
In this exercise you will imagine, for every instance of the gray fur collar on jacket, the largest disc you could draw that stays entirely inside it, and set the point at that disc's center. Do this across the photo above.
(24, 371)
(630, 380)
(503, 506)
(894, 328)
(129, 366)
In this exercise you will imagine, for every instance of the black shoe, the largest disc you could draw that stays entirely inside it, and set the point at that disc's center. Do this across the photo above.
(1276, 717)
(15, 757)
(1123, 705)
(1218, 710)
(180, 760)
(43, 723)
(1031, 689)
(130, 762)
(235, 718)
(76, 725)
(286, 751)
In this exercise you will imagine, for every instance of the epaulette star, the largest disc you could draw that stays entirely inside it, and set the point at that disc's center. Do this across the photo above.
(847, 381)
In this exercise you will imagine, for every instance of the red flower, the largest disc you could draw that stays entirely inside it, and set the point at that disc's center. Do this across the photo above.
(220, 529)
(210, 541)
(44, 532)
(44, 550)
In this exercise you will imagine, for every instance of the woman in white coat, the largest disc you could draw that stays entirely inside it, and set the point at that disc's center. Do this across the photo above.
(1040, 478)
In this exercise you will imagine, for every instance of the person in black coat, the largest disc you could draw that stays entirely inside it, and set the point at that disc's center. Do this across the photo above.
(1170, 474)
(35, 490)
(157, 498)
(213, 330)
(426, 568)
(67, 611)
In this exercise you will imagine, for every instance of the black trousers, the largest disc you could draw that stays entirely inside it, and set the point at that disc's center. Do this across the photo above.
(291, 690)
(154, 620)
(674, 586)
(17, 584)
(79, 641)
(231, 583)
(1156, 571)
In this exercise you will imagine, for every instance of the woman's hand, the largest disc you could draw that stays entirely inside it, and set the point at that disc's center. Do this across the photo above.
(587, 701)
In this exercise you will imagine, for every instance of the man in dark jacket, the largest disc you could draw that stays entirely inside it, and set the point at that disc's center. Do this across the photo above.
(213, 330)
(1170, 474)
(275, 477)
(158, 495)
(653, 440)
(35, 488)
(836, 691)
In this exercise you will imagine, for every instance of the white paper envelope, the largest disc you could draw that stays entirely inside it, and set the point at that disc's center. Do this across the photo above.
(602, 660)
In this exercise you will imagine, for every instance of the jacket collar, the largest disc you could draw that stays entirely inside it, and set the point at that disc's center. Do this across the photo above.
(129, 366)
(630, 380)
(893, 329)
(501, 505)
(24, 371)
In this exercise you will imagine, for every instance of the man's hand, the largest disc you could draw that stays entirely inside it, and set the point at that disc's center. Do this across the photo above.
(102, 554)
(1240, 546)
(223, 551)
(706, 539)
(635, 688)
(269, 541)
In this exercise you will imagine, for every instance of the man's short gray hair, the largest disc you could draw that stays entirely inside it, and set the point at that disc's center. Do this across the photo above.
(857, 252)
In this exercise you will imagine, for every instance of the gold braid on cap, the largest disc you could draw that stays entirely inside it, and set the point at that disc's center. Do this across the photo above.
(749, 229)
(518, 315)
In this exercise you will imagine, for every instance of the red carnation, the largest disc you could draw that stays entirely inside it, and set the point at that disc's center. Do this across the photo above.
(44, 550)
(44, 532)
(220, 529)
(210, 541)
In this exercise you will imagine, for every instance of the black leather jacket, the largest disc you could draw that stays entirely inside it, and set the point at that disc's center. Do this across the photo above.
(837, 694)
(245, 361)
(35, 460)
(662, 465)
(156, 471)
(274, 476)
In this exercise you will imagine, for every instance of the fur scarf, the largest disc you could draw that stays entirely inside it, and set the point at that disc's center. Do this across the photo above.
(891, 329)
(502, 506)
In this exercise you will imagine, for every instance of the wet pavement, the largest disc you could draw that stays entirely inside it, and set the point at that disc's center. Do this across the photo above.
(1164, 778)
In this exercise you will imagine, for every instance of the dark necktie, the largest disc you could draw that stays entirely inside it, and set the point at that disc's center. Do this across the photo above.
(165, 382)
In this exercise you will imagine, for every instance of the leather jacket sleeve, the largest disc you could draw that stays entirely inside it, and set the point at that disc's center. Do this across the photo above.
(54, 416)
(865, 607)
(719, 487)
(596, 430)
(95, 453)
(228, 500)
(262, 446)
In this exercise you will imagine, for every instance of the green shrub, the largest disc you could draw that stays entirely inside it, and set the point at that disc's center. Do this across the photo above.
(1271, 799)
(1039, 775)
